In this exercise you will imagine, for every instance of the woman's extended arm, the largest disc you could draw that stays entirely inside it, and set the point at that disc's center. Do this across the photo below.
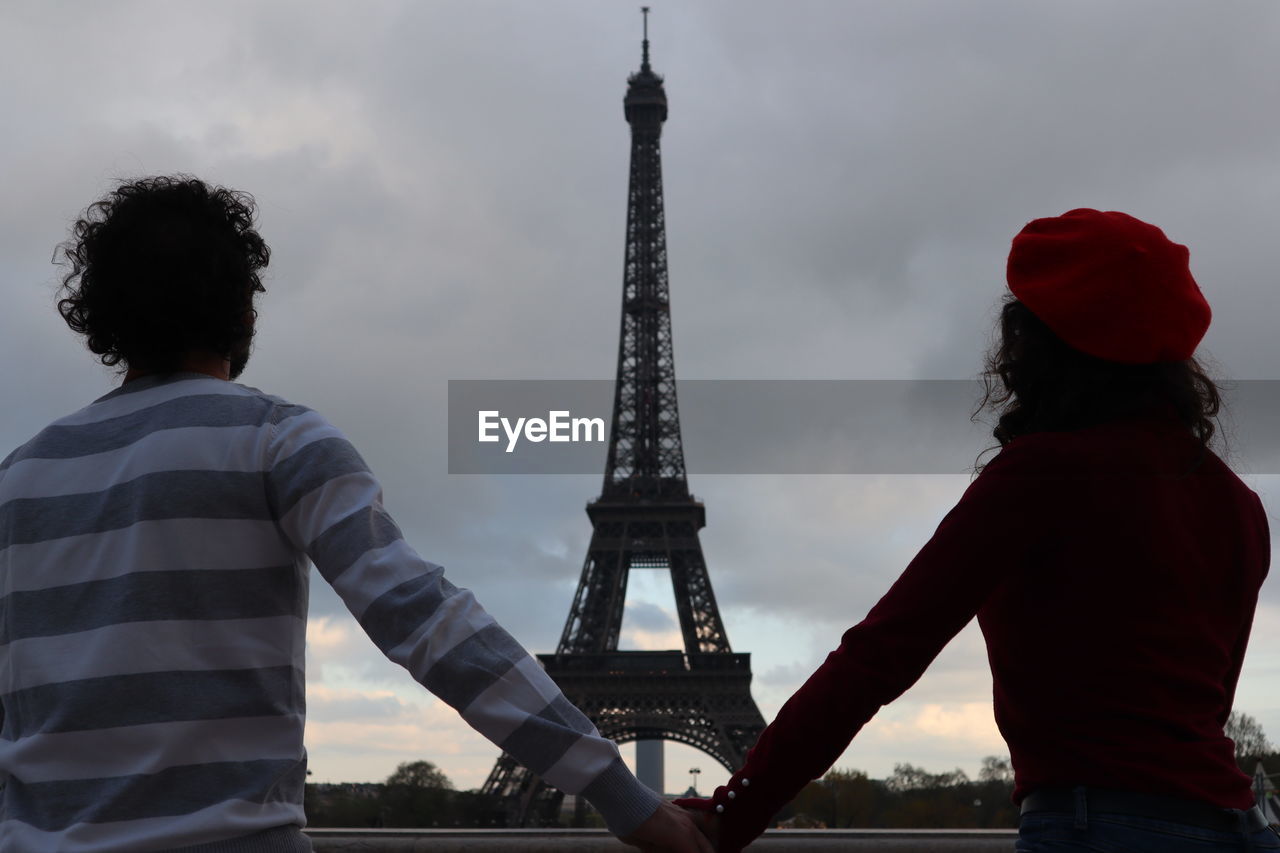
(878, 659)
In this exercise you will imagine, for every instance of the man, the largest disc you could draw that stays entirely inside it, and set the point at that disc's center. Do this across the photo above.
(154, 553)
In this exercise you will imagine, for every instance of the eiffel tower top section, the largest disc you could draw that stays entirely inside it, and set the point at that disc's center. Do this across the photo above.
(646, 102)
(646, 457)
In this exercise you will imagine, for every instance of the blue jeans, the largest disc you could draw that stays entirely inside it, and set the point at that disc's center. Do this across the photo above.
(1060, 832)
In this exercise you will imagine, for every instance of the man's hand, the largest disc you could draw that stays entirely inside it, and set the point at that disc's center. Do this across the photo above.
(671, 829)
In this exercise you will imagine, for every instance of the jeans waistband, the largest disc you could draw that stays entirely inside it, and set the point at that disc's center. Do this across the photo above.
(1156, 806)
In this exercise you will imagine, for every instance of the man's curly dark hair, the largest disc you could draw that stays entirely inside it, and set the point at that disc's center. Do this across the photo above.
(162, 267)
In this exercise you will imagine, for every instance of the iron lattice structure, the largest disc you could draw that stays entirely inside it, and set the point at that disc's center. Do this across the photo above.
(645, 517)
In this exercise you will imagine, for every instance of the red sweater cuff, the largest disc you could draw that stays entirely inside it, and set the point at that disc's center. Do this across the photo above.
(739, 818)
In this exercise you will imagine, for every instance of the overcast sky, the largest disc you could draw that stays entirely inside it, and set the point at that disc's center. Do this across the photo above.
(443, 186)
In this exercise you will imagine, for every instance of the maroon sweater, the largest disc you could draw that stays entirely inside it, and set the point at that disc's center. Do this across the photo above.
(1115, 592)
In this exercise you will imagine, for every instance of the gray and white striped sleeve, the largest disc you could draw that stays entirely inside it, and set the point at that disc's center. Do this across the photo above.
(330, 505)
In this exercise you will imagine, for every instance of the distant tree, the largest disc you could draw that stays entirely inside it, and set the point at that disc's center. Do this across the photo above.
(419, 774)
(418, 794)
(843, 798)
(1246, 732)
(472, 808)
(995, 769)
(358, 805)
(911, 797)
(993, 793)
(908, 777)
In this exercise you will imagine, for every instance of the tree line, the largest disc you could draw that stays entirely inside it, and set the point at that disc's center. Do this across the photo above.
(416, 795)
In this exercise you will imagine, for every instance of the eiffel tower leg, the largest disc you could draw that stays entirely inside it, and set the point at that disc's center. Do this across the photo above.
(595, 618)
(695, 601)
(527, 800)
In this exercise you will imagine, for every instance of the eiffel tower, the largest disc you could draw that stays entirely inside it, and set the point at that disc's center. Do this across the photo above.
(645, 518)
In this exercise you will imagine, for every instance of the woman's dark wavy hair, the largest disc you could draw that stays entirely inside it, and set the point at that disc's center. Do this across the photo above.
(162, 266)
(1035, 382)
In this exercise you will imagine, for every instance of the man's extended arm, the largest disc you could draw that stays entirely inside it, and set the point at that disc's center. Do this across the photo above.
(329, 504)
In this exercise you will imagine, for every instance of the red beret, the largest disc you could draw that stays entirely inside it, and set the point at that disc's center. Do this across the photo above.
(1109, 285)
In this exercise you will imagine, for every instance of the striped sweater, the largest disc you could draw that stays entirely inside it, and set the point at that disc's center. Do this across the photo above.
(154, 553)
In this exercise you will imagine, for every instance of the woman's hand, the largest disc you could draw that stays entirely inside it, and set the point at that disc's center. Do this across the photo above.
(704, 817)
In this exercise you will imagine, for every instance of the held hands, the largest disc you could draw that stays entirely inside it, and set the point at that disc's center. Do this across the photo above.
(707, 821)
(671, 829)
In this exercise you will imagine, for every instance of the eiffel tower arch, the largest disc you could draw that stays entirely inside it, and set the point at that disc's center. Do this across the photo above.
(644, 518)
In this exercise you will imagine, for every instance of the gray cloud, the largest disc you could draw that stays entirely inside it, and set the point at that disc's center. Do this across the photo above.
(645, 616)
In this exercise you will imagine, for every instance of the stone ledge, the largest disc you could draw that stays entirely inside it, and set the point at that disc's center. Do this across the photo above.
(599, 841)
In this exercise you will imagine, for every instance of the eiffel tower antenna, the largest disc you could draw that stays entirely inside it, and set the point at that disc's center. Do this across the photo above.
(644, 61)
(644, 518)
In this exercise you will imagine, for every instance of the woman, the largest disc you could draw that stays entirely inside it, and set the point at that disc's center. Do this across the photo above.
(1112, 559)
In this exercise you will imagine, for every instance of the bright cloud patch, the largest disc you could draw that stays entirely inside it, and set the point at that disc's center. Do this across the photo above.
(970, 722)
(325, 704)
(365, 734)
(326, 635)
(649, 627)
(650, 641)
